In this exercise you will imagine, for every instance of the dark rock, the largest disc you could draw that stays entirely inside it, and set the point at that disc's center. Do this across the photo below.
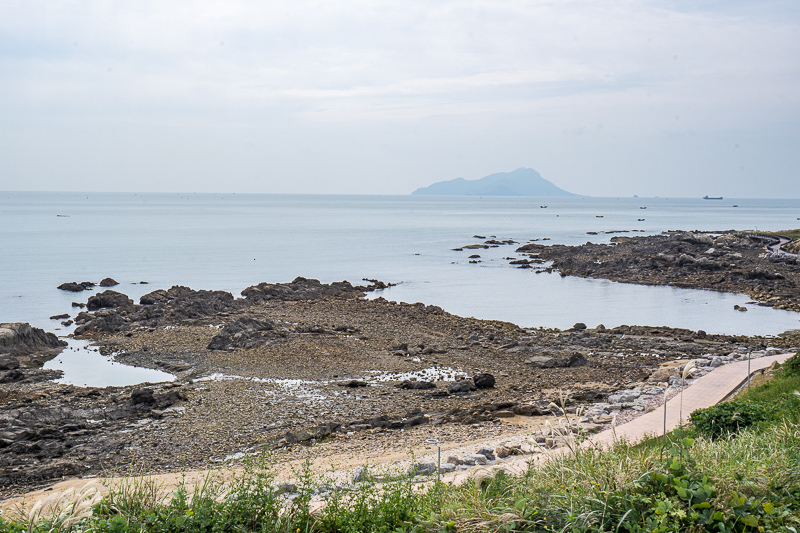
(416, 385)
(155, 297)
(109, 282)
(8, 363)
(306, 289)
(11, 376)
(245, 333)
(73, 286)
(19, 338)
(108, 298)
(484, 381)
(78, 304)
(464, 385)
(579, 326)
(142, 396)
(59, 317)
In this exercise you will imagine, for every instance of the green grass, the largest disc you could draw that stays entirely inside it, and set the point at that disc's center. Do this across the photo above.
(789, 234)
(747, 480)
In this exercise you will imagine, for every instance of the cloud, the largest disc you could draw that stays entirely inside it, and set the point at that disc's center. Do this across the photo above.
(533, 69)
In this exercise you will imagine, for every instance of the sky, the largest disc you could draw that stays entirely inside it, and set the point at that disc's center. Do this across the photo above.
(675, 98)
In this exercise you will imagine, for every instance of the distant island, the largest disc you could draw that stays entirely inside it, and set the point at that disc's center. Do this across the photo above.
(521, 182)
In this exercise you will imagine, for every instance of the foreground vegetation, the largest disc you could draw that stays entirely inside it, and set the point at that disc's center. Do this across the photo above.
(736, 468)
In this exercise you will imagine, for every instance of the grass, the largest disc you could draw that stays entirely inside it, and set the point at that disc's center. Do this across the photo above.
(687, 480)
(792, 234)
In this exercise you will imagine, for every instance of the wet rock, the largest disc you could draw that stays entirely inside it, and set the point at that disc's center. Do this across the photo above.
(73, 286)
(59, 317)
(20, 338)
(484, 381)
(108, 298)
(303, 289)
(108, 282)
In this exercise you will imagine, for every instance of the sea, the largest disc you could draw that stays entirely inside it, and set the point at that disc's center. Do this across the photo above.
(231, 241)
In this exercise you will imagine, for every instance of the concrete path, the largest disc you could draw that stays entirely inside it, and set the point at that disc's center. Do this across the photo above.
(704, 392)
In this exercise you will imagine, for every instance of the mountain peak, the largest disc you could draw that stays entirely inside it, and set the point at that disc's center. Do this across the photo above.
(521, 182)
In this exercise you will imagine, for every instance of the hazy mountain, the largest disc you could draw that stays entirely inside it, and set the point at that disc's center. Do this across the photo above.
(521, 182)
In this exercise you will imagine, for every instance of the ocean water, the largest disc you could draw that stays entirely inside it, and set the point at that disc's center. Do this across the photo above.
(231, 241)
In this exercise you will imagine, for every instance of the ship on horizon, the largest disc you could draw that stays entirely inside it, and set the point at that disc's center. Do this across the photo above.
(712, 197)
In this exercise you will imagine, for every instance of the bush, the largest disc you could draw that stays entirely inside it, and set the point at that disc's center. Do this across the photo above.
(728, 418)
(792, 365)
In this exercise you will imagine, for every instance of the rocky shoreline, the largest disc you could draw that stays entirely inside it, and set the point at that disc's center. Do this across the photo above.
(300, 366)
(728, 261)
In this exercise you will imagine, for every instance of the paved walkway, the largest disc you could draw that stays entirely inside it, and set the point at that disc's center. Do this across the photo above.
(704, 392)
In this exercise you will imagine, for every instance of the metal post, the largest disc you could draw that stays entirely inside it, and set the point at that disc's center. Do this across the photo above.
(435, 442)
(748, 370)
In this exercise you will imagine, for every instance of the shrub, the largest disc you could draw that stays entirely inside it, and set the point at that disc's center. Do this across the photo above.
(728, 418)
(792, 365)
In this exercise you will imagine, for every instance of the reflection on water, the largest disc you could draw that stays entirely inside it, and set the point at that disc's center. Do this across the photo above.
(85, 366)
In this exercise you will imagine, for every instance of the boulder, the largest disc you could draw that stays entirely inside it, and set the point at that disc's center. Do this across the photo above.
(488, 453)
(464, 385)
(155, 297)
(108, 298)
(20, 338)
(108, 282)
(472, 459)
(142, 396)
(74, 286)
(422, 469)
(484, 381)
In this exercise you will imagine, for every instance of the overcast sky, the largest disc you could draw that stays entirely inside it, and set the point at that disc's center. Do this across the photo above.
(669, 98)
